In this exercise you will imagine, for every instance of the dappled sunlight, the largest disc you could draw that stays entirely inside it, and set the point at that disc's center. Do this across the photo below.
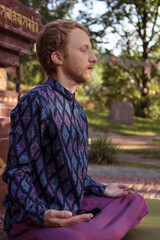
(150, 191)
(98, 118)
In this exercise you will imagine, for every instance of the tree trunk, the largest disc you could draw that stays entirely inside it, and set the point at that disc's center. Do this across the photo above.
(145, 84)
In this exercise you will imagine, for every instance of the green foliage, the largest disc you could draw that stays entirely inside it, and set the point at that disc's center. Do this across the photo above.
(141, 104)
(148, 107)
(120, 85)
(51, 9)
(31, 71)
(154, 142)
(133, 30)
(11, 86)
(134, 22)
(141, 17)
(102, 151)
(123, 87)
(153, 108)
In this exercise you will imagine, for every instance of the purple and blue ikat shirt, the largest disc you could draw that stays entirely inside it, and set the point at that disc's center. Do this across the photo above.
(48, 156)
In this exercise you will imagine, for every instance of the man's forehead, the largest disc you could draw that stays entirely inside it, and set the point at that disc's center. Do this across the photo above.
(79, 37)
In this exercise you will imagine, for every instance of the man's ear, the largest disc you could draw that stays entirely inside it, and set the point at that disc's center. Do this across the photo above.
(57, 58)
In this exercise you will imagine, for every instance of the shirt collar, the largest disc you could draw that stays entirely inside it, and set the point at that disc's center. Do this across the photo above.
(60, 89)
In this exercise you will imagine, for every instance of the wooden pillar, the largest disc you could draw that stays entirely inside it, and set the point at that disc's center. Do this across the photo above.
(8, 101)
(3, 79)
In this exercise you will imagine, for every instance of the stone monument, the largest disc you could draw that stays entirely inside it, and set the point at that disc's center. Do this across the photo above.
(19, 27)
(121, 112)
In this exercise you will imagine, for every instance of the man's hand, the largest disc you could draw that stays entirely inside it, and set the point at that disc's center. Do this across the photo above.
(117, 190)
(54, 218)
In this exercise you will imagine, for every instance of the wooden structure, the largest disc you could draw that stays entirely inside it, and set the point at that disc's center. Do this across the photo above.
(19, 27)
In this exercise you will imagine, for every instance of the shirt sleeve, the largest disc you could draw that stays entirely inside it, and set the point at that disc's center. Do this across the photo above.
(25, 146)
(93, 188)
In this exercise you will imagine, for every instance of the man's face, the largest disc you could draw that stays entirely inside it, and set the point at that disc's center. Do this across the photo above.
(79, 61)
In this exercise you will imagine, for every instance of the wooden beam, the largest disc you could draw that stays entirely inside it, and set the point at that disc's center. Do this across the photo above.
(8, 41)
(8, 59)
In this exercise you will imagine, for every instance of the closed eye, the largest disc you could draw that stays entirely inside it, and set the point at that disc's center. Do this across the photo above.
(84, 49)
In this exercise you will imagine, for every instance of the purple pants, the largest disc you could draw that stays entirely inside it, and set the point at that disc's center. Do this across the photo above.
(117, 217)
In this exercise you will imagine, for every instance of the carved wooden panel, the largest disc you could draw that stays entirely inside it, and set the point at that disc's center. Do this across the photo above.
(21, 20)
(19, 26)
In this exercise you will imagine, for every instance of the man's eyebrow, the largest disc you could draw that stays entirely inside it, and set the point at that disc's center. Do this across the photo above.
(86, 45)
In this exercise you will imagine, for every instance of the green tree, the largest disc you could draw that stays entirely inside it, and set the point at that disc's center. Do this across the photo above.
(137, 24)
(120, 85)
(51, 9)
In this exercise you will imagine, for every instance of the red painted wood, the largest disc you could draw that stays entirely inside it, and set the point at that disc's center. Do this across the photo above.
(8, 59)
(11, 42)
(19, 27)
(17, 18)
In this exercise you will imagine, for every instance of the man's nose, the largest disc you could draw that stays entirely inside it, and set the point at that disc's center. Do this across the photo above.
(92, 57)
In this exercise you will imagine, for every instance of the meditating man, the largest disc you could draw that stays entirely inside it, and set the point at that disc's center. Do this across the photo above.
(50, 196)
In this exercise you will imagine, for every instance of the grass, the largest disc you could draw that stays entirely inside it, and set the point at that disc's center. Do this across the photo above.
(146, 153)
(136, 165)
(98, 119)
(148, 229)
(154, 142)
(102, 151)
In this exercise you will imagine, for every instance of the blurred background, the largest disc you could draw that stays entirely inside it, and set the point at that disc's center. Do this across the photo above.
(125, 37)
(122, 101)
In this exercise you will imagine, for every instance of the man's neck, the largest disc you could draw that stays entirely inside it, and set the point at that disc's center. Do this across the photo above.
(70, 85)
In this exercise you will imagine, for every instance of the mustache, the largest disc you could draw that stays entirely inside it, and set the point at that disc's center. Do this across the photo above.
(90, 66)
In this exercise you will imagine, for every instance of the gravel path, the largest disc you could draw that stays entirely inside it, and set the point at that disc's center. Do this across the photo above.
(116, 171)
(145, 181)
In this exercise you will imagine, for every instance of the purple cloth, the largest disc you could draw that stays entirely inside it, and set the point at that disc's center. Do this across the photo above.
(116, 218)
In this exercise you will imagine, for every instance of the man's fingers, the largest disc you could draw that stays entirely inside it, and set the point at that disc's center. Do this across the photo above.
(123, 186)
(63, 214)
(54, 218)
(76, 219)
(63, 222)
(121, 192)
(130, 189)
(50, 215)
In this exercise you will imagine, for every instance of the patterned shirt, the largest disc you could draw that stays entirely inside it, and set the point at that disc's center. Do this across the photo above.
(48, 156)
